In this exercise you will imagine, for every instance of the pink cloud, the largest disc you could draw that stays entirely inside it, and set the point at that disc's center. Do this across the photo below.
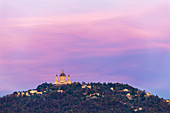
(99, 78)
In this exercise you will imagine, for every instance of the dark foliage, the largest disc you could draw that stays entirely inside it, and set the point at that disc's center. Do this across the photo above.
(75, 99)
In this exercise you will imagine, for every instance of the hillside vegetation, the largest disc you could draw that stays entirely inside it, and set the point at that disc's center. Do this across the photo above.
(84, 98)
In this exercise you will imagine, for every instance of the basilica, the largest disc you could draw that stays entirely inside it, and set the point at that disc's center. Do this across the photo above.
(62, 79)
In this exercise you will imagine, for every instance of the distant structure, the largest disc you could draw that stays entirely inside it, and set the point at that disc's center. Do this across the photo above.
(62, 79)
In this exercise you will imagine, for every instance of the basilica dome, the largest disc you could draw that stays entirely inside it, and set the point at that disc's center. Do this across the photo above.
(62, 74)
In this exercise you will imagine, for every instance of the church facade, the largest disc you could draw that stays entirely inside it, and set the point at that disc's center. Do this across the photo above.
(62, 79)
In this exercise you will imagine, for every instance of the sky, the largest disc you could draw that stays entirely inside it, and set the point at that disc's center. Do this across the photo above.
(126, 41)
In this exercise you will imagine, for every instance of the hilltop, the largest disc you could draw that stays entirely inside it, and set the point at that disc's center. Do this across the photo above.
(83, 98)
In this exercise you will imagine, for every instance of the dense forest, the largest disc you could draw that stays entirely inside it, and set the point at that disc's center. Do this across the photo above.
(84, 98)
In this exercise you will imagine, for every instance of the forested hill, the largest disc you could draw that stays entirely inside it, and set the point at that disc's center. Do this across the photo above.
(83, 98)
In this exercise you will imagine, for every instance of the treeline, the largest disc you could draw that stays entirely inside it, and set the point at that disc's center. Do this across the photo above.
(77, 98)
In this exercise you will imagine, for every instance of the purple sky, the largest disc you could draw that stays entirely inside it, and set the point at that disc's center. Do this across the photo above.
(123, 41)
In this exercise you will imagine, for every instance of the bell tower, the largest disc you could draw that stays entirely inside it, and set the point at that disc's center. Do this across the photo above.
(56, 82)
(69, 81)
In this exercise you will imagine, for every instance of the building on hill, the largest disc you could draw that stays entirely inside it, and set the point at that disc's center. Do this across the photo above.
(125, 90)
(62, 79)
(33, 91)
